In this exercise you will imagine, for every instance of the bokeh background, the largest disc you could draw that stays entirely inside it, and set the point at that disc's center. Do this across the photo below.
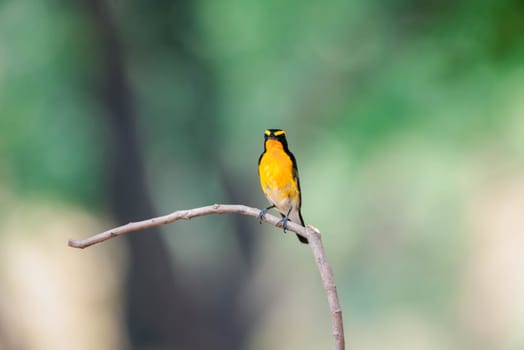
(407, 120)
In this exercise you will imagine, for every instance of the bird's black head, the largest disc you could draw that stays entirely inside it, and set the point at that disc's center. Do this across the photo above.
(275, 134)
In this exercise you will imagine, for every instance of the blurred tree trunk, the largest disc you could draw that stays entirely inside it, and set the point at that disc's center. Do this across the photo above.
(154, 300)
(161, 311)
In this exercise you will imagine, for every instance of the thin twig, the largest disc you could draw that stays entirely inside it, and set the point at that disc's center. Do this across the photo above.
(309, 232)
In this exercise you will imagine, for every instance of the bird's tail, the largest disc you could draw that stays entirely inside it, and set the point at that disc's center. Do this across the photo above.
(296, 217)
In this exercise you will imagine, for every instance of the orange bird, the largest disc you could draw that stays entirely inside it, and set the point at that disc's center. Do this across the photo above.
(278, 172)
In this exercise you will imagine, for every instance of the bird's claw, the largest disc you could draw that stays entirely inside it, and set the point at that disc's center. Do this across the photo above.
(261, 214)
(283, 223)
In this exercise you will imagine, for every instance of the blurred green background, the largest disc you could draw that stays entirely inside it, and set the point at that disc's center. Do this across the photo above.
(407, 121)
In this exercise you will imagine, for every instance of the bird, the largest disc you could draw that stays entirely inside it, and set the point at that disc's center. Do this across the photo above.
(278, 173)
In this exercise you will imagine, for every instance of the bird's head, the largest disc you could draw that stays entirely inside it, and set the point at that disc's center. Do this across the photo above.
(275, 134)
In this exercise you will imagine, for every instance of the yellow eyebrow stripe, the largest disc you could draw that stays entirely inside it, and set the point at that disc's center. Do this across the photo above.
(280, 132)
(267, 132)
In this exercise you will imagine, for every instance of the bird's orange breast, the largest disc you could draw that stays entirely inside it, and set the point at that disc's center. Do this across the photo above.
(276, 174)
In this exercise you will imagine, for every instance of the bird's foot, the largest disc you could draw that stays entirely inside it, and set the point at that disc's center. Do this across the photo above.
(283, 223)
(261, 214)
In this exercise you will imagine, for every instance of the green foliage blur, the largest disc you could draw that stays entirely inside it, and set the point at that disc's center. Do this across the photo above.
(406, 118)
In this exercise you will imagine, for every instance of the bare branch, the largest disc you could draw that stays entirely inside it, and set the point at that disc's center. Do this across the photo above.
(326, 274)
(309, 232)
